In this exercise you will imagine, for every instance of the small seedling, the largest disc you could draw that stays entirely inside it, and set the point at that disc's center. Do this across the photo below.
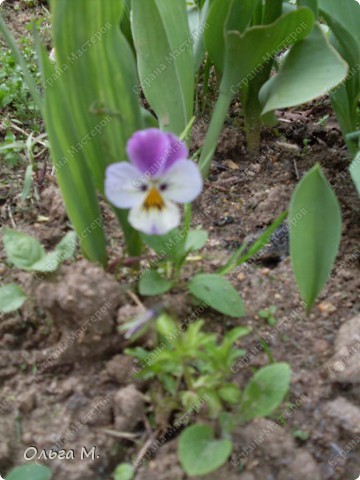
(269, 315)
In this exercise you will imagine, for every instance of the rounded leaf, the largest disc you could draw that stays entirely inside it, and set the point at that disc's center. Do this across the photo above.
(199, 452)
(315, 232)
(218, 293)
(27, 472)
(265, 391)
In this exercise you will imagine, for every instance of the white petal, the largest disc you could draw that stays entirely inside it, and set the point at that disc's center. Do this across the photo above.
(154, 221)
(182, 182)
(122, 185)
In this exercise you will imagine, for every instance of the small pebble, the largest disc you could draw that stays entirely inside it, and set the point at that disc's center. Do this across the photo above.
(326, 308)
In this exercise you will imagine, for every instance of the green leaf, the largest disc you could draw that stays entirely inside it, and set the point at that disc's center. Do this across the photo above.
(222, 17)
(311, 68)
(67, 246)
(165, 325)
(315, 238)
(342, 15)
(12, 297)
(230, 393)
(64, 250)
(30, 472)
(27, 183)
(90, 125)
(355, 171)
(246, 53)
(152, 283)
(242, 57)
(343, 19)
(49, 263)
(198, 35)
(265, 391)
(313, 4)
(21, 249)
(165, 60)
(125, 471)
(199, 452)
(235, 333)
(237, 258)
(218, 293)
(164, 245)
(195, 240)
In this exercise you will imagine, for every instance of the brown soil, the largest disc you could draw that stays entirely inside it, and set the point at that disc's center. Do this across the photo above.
(64, 379)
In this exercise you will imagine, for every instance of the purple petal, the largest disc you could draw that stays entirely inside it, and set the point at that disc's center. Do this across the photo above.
(147, 150)
(138, 322)
(152, 151)
(177, 151)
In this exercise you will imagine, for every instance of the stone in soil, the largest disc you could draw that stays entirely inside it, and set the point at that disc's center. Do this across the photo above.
(266, 443)
(52, 200)
(121, 369)
(129, 408)
(344, 366)
(82, 300)
(344, 414)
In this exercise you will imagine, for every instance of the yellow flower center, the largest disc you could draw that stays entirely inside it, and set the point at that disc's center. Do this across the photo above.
(154, 200)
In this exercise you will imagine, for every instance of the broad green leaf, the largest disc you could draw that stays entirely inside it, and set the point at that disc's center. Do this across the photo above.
(245, 53)
(218, 293)
(165, 60)
(30, 472)
(74, 178)
(193, 15)
(314, 241)
(125, 471)
(311, 69)
(166, 246)
(152, 283)
(355, 171)
(265, 391)
(64, 250)
(244, 56)
(198, 35)
(91, 111)
(126, 23)
(344, 14)
(12, 297)
(272, 11)
(195, 240)
(49, 263)
(313, 4)
(21, 249)
(199, 452)
(230, 393)
(222, 17)
(344, 100)
(67, 246)
(343, 19)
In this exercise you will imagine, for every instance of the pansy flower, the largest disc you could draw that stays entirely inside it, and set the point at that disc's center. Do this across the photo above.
(158, 176)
